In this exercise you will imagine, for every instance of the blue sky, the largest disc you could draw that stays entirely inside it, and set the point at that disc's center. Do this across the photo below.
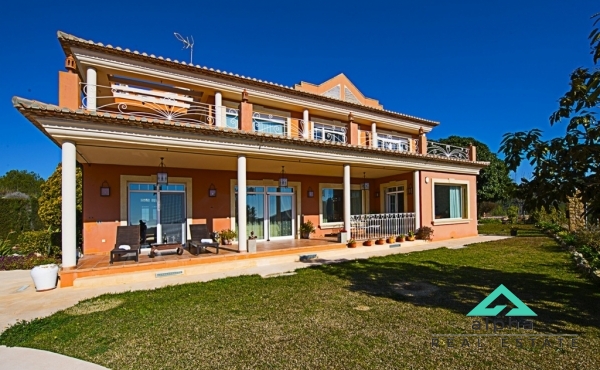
(482, 68)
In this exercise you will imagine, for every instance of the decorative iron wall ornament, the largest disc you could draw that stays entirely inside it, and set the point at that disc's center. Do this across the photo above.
(447, 150)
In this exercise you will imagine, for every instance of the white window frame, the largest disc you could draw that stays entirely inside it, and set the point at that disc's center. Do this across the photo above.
(336, 186)
(383, 195)
(466, 202)
(394, 140)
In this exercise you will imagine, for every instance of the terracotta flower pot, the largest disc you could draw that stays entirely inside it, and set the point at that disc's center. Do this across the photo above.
(380, 242)
(411, 239)
(391, 240)
(368, 243)
(352, 245)
(400, 239)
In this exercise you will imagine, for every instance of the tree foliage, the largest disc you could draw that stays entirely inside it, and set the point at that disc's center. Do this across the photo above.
(23, 181)
(493, 183)
(50, 202)
(563, 165)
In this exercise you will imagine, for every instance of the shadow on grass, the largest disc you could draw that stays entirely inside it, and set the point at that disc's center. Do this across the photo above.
(550, 288)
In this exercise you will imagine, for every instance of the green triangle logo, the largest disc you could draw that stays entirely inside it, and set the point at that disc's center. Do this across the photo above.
(482, 308)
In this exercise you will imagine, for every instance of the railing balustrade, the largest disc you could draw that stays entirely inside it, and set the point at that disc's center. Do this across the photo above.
(381, 225)
(119, 98)
(327, 132)
(393, 142)
(150, 104)
(447, 150)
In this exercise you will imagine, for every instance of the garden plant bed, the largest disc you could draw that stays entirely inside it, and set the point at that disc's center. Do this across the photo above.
(375, 313)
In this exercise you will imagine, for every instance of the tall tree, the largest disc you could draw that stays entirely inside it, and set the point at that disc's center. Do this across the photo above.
(493, 183)
(50, 202)
(23, 181)
(565, 165)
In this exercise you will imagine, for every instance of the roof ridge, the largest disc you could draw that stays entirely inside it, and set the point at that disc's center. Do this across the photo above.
(61, 35)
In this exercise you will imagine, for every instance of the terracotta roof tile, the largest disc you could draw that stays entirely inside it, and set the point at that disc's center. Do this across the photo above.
(33, 109)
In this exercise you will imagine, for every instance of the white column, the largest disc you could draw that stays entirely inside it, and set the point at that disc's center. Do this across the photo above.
(241, 183)
(374, 135)
(218, 109)
(306, 125)
(91, 89)
(347, 199)
(69, 205)
(417, 198)
(159, 234)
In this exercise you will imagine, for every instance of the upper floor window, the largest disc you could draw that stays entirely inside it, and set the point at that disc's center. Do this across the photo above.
(323, 131)
(393, 142)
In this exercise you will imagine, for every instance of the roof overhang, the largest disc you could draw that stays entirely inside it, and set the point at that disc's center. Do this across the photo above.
(87, 52)
(101, 133)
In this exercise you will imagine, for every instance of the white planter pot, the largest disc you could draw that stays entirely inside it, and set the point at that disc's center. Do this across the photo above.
(44, 277)
(251, 245)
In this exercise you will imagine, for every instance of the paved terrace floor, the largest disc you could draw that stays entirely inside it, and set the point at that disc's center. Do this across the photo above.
(20, 301)
(103, 261)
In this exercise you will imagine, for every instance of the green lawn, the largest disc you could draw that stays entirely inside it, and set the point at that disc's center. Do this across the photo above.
(363, 314)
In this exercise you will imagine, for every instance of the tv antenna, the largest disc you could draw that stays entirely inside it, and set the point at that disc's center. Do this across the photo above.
(187, 44)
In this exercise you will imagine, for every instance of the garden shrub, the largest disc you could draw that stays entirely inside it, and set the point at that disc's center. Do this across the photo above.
(24, 262)
(486, 207)
(513, 213)
(34, 242)
(490, 221)
(588, 236)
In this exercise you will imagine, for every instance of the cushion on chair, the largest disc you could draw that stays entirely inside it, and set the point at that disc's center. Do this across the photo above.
(124, 247)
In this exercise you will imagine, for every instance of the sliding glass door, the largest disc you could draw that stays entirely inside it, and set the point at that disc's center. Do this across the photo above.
(162, 208)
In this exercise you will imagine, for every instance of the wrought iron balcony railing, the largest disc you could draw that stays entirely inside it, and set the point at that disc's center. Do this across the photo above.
(381, 225)
(446, 150)
(151, 104)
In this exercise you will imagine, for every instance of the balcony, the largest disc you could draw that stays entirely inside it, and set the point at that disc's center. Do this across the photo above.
(448, 151)
(157, 102)
(166, 104)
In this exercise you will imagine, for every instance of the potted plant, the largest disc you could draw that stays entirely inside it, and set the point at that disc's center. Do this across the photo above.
(391, 239)
(45, 277)
(252, 243)
(380, 241)
(227, 236)
(351, 243)
(368, 243)
(514, 231)
(307, 228)
(425, 233)
(401, 238)
(411, 236)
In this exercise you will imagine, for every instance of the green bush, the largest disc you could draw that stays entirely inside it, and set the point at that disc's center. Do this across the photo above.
(490, 221)
(513, 214)
(24, 262)
(589, 236)
(591, 255)
(45, 243)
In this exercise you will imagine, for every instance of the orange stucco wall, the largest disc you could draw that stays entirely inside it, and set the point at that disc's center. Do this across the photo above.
(449, 231)
(102, 214)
